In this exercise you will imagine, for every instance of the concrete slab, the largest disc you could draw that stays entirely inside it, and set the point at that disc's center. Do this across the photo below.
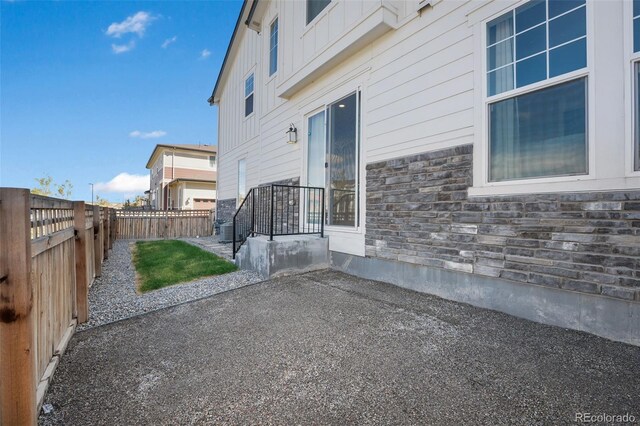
(328, 348)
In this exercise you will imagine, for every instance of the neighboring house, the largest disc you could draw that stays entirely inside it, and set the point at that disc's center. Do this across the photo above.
(482, 151)
(183, 177)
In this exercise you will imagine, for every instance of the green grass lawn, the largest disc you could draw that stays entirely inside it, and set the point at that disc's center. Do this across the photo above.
(163, 263)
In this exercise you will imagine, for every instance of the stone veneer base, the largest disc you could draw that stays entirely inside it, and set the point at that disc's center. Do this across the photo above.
(614, 319)
(225, 209)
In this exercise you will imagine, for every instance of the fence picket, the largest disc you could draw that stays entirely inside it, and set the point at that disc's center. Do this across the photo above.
(163, 224)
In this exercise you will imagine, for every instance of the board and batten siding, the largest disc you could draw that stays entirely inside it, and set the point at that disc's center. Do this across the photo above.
(416, 82)
(420, 95)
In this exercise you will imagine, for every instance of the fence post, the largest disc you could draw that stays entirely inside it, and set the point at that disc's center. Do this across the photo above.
(96, 241)
(166, 222)
(82, 280)
(17, 357)
(113, 225)
(105, 234)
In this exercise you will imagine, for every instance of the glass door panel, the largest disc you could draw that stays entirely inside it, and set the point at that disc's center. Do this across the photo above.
(342, 159)
(315, 166)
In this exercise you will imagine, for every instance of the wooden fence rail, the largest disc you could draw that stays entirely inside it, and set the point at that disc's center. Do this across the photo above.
(50, 252)
(163, 224)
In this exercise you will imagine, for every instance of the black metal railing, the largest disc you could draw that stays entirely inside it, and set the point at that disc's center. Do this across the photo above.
(275, 210)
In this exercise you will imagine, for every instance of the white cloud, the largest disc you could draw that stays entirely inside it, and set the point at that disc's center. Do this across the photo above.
(125, 183)
(121, 48)
(205, 54)
(169, 41)
(147, 135)
(136, 24)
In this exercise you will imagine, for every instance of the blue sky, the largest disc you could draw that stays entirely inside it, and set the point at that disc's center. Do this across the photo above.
(89, 88)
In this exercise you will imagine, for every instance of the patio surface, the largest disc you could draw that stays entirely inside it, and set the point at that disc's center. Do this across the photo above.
(328, 348)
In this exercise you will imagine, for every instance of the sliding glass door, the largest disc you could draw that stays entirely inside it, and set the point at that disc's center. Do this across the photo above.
(332, 159)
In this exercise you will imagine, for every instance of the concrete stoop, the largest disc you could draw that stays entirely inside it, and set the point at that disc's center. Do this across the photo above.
(285, 255)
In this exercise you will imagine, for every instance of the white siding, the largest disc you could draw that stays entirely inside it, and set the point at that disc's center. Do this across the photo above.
(416, 82)
(421, 86)
(193, 161)
(417, 88)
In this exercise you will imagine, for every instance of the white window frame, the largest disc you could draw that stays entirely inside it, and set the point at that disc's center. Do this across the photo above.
(269, 49)
(632, 91)
(251, 74)
(482, 185)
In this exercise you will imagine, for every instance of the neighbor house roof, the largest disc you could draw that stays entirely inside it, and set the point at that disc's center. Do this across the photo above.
(211, 149)
(178, 180)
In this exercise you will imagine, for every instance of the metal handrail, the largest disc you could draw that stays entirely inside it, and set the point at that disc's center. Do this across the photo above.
(276, 210)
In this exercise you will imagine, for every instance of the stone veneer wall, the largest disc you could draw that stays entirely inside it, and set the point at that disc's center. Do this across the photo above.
(225, 209)
(286, 215)
(418, 211)
(291, 181)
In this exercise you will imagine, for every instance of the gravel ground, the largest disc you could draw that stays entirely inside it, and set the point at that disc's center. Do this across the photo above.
(113, 297)
(328, 348)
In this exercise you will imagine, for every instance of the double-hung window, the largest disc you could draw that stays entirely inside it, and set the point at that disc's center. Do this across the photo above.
(536, 91)
(248, 95)
(636, 84)
(273, 47)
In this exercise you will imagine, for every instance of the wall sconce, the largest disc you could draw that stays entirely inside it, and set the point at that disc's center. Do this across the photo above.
(292, 133)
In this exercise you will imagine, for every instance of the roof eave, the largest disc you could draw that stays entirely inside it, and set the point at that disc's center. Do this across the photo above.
(213, 99)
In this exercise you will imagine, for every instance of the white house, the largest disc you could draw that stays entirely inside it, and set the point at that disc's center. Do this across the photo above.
(183, 177)
(488, 150)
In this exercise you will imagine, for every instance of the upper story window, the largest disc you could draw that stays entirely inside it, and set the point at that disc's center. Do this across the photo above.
(273, 47)
(314, 7)
(636, 106)
(636, 26)
(537, 41)
(537, 121)
(212, 161)
(248, 95)
(636, 85)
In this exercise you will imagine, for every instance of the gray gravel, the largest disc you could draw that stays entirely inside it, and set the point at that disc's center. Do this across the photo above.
(328, 348)
(113, 297)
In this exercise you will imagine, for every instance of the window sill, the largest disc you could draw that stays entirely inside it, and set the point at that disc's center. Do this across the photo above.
(556, 185)
(633, 174)
(270, 78)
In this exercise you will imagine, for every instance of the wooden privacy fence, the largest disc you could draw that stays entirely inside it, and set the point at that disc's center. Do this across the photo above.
(131, 224)
(50, 252)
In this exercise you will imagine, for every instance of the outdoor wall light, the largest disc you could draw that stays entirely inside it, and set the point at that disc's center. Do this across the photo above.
(292, 133)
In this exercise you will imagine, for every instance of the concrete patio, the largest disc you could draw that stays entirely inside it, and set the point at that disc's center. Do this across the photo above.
(328, 348)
